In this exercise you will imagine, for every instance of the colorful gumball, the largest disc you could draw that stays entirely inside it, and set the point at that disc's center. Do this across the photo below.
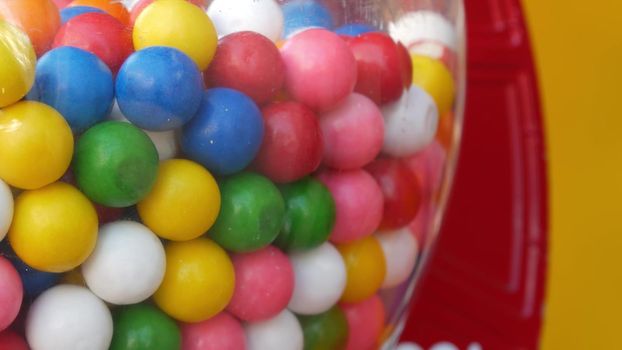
(115, 164)
(54, 228)
(221, 332)
(365, 321)
(226, 133)
(113, 8)
(159, 88)
(328, 330)
(40, 19)
(280, 332)
(292, 145)
(116, 272)
(34, 281)
(428, 166)
(406, 67)
(320, 70)
(11, 293)
(139, 6)
(365, 266)
(107, 214)
(353, 133)
(303, 14)
(198, 283)
(400, 250)
(251, 213)
(354, 29)
(178, 24)
(261, 16)
(10, 340)
(434, 77)
(61, 4)
(358, 202)
(417, 26)
(70, 12)
(66, 316)
(445, 131)
(17, 63)
(144, 327)
(6, 209)
(184, 202)
(248, 62)
(320, 279)
(264, 282)
(77, 84)
(100, 34)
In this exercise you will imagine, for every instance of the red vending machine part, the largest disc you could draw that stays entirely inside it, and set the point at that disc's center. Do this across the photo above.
(484, 284)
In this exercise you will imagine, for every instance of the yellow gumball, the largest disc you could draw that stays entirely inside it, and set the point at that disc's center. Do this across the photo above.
(365, 267)
(184, 202)
(54, 228)
(178, 24)
(36, 145)
(17, 64)
(433, 76)
(198, 282)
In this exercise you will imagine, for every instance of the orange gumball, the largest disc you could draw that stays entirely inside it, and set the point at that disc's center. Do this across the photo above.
(445, 131)
(113, 7)
(40, 19)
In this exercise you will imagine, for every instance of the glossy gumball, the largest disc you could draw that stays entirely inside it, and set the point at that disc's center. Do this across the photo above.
(261, 16)
(365, 266)
(11, 293)
(280, 332)
(292, 145)
(445, 131)
(6, 209)
(406, 67)
(114, 8)
(354, 29)
(365, 323)
(17, 64)
(303, 14)
(70, 12)
(34, 281)
(100, 34)
(40, 19)
(138, 8)
(248, 62)
(400, 250)
(144, 327)
(10, 340)
(221, 332)
(434, 77)
(61, 4)
(328, 330)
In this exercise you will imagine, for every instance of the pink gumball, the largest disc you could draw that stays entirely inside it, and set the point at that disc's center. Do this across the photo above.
(264, 283)
(12, 341)
(11, 293)
(358, 203)
(320, 69)
(353, 133)
(428, 165)
(365, 323)
(221, 332)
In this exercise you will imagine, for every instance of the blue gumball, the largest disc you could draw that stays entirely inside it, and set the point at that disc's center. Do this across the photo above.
(34, 281)
(70, 12)
(354, 29)
(226, 133)
(302, 14)
(77, 84)
(159, 88)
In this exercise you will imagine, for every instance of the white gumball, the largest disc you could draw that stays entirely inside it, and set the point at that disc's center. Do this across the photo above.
(320, 278)
(419, 26)
(127, 265)
(68, 317)
(262, 16)
(400, 249)
(410, 123)
(6, 209)
(281, 332)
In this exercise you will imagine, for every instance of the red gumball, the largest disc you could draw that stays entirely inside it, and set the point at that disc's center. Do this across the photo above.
(248, 62)
(100, 34)
(406, 65)
(12, 341)
(401, 191)
(106, 214)
(140, 6)
(365, 323)
(292, 146)
(379, 66)
(11, 293)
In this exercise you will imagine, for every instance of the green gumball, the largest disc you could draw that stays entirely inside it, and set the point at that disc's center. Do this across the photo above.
(144, 327)
(325, 331)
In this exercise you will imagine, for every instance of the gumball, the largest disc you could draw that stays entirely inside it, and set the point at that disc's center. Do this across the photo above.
(198, 282)
(17, 64)
(428, 166)
(6, 209)
(115, 164)
(248, 62)
(445, 131)
(10, 340)
(11, 293)
(353, 133)
(304, 14)
(309, 215)
(401, 189)
(365, 266)
(144, 327)
(251, 213)
(138, 8)
(320, 278)
(183, 203)
(100, 34)
(434, 78)
(178, 24)
(264, 282)
(328, 330)
(320, 70)
(280, 332)
(418, 26)
(73, 277)
(400, 251)
(113, 8)
(70, 12)
(107, 214)
(221, 332)
(40, 19)
(116, 273)
(358, 202)
(226, 133)
(406, 67)
(365, 321)
(54, 228)
(261, 16)
(61, 4)
(159, 88)
(437, 51)
(409, 123)
(292, 145)
(354, 29)
(65, 317)
(77, 84)
(34, 281)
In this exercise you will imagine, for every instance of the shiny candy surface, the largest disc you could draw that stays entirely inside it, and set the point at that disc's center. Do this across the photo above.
(401, 251)
(113, 8)
(10, 293)
(144, 327)
(434, 77)
(70, 12)
(365, 323)
(40, 19)
(328, 330)
(17, 64)
(365, 266)
(221, 332)
(140, 5)
(10, 340)
(262, 16)
(303, 14)
(6, 209)
(280, 332)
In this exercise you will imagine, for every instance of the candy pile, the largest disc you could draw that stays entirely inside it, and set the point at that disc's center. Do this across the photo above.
(234, 175)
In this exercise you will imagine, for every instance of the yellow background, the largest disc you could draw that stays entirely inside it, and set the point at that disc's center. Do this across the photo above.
(578, 48)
